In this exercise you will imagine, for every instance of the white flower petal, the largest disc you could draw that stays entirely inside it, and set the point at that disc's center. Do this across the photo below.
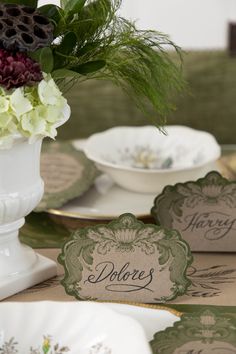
(4, 104)
(54, 114)
(33, 123)
(19, 104)
(49, 93)
(51, 131)
(5, 119)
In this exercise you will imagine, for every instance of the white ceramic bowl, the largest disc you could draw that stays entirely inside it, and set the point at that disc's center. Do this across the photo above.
(82, 327)
(137, 158)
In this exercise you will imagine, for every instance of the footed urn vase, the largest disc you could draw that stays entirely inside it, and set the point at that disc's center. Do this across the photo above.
(21, 189)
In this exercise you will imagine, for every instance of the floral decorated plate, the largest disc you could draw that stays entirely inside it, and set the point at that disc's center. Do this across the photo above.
(68, 327)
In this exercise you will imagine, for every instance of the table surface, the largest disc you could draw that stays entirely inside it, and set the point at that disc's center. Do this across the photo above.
(213, 277)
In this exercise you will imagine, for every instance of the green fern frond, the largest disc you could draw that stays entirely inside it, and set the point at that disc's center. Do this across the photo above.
(93, 41)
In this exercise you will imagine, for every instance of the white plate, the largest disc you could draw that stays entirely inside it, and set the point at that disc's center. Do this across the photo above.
(82, 327)
(106, 200)
(151, 318)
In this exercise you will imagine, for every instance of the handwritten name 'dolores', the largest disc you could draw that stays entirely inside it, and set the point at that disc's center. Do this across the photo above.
(214, 225)
(123, 279)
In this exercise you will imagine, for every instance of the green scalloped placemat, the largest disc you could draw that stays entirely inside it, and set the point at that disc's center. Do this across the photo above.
(67, 174)
(40, 231)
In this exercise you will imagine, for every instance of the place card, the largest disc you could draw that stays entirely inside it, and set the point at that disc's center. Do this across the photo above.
(204, 212)
(67, 173)
(205, 332)
(125, 260)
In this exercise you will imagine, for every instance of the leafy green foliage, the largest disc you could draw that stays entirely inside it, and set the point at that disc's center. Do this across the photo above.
(73, 7)
(53, 12)
(93, 41)
(45, 58)
(67, 44)
(62, 73)
(89, 67)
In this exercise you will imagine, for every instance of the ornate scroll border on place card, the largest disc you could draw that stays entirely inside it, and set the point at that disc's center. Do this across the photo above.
(126, 260)
(206, 332)
(204, 212)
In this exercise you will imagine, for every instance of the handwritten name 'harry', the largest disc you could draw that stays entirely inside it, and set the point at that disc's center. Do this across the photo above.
(122, 280)
(215, 225)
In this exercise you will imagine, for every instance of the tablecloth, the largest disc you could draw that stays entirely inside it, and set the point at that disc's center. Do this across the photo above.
(213, 279)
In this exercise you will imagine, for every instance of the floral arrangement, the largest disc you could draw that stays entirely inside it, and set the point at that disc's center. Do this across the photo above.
(46, 50)
(31, 104)
(31, 111)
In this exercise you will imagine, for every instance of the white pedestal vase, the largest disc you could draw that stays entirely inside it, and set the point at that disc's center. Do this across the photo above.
(21, 189)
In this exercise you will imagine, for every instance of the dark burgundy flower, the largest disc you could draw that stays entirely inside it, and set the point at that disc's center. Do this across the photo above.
(18, 70)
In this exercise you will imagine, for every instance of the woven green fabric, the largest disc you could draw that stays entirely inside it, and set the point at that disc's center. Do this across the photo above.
(209, 103)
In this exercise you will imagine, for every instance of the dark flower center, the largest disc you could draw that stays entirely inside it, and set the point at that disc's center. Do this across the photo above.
(17, 69)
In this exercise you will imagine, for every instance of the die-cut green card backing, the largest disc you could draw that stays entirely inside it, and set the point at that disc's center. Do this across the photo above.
(126, 260)
(206, 332)
(204, 212)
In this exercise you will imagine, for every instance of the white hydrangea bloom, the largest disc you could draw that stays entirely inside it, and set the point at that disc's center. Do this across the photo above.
(52, 132)
(32, 112)
(19, 103)
(49, 93)
(4, 104)
(54, 114)
(33, 123)
(5, 119)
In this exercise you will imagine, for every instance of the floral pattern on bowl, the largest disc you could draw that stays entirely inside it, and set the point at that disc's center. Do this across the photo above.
(142, 159)
(147, 148)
